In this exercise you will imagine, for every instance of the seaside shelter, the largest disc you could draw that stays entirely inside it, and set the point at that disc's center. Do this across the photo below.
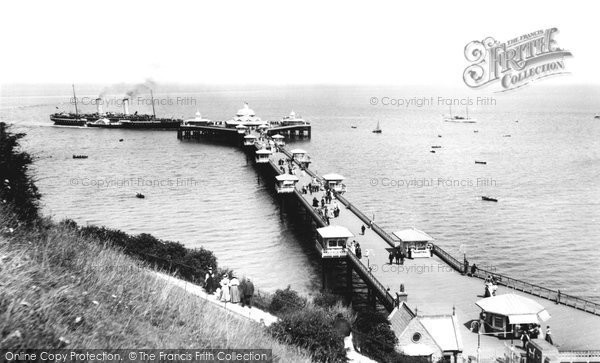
(285, 183)
(414, 242)
(331, 241)
(334, 182)
(504, 315)
(262, 156)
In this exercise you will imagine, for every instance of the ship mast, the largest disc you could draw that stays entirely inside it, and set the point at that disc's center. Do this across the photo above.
(75, 98)
(152, 98)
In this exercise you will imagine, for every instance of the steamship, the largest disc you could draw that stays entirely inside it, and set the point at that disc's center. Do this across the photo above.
(114, 120)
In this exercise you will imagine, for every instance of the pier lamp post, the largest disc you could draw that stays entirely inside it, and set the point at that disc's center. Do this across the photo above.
(368, 261)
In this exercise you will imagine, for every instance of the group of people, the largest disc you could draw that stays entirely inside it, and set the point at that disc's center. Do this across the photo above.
(490, 285)
(229, 288)
(314, 186)
(326, 208)
(287, 166)
(354, 247)
(533, 331)
(398, 255)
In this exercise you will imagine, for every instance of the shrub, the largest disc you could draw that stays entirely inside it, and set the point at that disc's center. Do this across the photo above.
(311, 329)
(17, 188)
(190, 264)
(285, 301)
(326, 299)
(376, 338)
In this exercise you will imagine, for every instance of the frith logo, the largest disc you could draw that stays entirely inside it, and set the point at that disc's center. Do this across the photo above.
(514, 63)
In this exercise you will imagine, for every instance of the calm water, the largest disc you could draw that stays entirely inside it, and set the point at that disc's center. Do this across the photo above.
(544, 228)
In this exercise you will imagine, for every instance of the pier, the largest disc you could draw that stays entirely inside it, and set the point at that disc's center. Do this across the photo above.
(197, 132)
(433, 286)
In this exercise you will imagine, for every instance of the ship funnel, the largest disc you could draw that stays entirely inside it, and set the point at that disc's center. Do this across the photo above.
(126, 106)
(99, 105)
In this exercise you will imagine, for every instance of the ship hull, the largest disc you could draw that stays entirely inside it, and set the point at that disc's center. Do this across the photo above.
(68, 121)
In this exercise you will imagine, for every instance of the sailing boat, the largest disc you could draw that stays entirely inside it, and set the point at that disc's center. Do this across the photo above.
(377, 129)
(69, 119)
(460, 119)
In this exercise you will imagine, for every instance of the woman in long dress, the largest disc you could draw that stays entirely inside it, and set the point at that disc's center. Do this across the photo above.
(225, 289)
(234, 290)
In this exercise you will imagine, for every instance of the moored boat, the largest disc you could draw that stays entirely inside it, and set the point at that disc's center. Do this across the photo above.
(460, 119)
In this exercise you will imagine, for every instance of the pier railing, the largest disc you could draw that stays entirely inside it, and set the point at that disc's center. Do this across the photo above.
(383, 234)
(555, 296)
(543, 292)
(387, 298)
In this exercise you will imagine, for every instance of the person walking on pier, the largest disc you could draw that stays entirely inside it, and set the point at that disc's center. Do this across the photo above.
(315, 202)
(397, 256)
(362, 229)
(358, 251)
(549, 335)
(322, 202)
(525, 338)
(473, 270)
(391, 257)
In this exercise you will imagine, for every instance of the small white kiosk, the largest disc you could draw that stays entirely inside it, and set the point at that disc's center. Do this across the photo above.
(414, 243)
(331, 241)
(334, 182)
(301, 156)
(262, 156)
(278, 139)
(285, 183)
(249, 140)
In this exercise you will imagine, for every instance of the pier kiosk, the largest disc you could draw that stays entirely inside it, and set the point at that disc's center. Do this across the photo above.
(301, 156)
(249, 140)
(262, 156)
(278, 139)
(334, 182)
(285, 183)
(415, 243)
(331, 241)
(505, 315)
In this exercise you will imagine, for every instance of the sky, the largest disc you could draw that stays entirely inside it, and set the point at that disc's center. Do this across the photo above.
(275, 42)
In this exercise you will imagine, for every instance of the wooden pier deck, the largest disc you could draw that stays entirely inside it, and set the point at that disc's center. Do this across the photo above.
(434, 287)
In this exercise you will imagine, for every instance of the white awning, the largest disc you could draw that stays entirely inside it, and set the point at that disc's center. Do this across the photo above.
(284, 177)
(333, 176)
(298, 151)
(513, 305)
(250, 137)
(334, 232)
(263, 152)
(277, 136)
(412, 235)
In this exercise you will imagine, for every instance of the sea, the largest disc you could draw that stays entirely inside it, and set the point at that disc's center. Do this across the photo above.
(541, 145)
